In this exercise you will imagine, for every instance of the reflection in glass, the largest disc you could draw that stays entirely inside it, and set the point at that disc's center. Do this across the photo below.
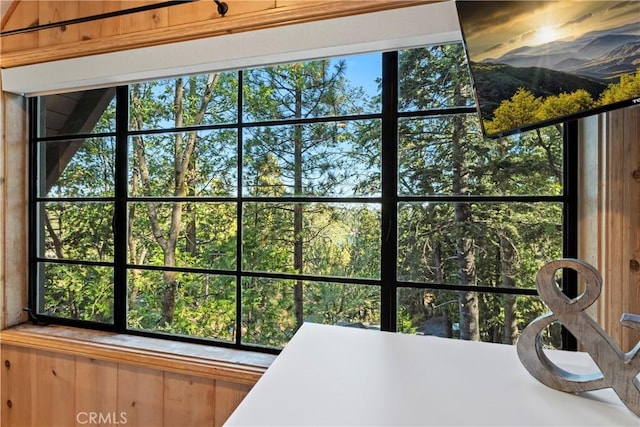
(73, 113)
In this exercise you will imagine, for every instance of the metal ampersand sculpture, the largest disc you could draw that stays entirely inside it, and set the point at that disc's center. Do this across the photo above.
(617, 369)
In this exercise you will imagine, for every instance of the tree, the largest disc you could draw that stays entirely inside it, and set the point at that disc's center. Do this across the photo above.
(448, 71)
(312, 159)
(496, 244)
(79, 168)
(181, 165)
(302, 143)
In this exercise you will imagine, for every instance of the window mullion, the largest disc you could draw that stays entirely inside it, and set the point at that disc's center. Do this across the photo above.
(239, 207)
(570, 218)
(389, 242)
(119, 221)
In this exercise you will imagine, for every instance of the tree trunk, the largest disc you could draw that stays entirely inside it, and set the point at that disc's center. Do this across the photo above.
(507, 267)
(183, 163)
(298, 263)
(465, 245)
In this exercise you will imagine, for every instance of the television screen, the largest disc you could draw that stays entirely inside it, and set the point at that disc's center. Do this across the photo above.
(538, 63)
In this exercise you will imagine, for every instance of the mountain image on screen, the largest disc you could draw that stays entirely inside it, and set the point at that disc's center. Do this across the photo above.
(537, 63)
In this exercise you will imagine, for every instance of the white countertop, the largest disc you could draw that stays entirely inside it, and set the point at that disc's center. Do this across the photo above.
(339, 376)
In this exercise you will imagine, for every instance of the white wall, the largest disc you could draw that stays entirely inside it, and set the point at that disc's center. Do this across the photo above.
(389, 30)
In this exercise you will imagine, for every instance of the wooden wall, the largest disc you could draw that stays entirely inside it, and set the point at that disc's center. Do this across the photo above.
(50, 386)
(54, 381)
(609, 228)
(165, 25)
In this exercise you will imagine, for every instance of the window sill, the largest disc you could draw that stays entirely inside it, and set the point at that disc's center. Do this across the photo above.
(233, 365)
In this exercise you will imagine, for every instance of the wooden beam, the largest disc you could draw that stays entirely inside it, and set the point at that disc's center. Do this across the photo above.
(7, 9)
(286, 13)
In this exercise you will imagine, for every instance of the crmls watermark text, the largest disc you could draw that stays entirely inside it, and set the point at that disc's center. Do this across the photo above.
(102, 418)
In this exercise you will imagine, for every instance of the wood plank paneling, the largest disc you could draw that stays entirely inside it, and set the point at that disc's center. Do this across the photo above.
(67, 385)
(609, 227)
(140, 394)
(102, 27)
(96, 388)
(13, 208)
(174, 24)
(24, 14)
(228, 397)
(142, 21)
(56, 11)
(188, 401)
(50, 389)
(623, 195)
(54, 390)
(232, 365)
(18, 382)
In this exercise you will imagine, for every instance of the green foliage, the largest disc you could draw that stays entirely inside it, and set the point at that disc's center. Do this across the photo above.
(507, 242)
(185, 227)
(78, 292)
(205, 305)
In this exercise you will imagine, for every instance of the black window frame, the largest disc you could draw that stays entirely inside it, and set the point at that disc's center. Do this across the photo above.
(389, 200)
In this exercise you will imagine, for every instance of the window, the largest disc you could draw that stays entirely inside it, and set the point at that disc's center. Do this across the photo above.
(230, 207)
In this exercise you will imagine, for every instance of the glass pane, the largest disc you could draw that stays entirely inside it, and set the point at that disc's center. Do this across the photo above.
(204, 99)
(80, 231)
(434, 77)
(269, 311)
(446, 155)
(199, 235)
(76, 168)
(322, 88)
(488, 244)
(79, 292)
(203, 163)
(312, 238)
(191, 304)
(500, 318)
(332, 159)
(91, 111)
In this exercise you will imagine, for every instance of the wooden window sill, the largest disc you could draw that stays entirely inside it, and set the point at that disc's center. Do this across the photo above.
(218, 363)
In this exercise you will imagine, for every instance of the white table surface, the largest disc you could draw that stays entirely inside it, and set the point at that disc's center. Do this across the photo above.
(339, 376)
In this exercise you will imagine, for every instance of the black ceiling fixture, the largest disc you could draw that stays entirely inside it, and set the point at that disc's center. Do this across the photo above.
(223, 8)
